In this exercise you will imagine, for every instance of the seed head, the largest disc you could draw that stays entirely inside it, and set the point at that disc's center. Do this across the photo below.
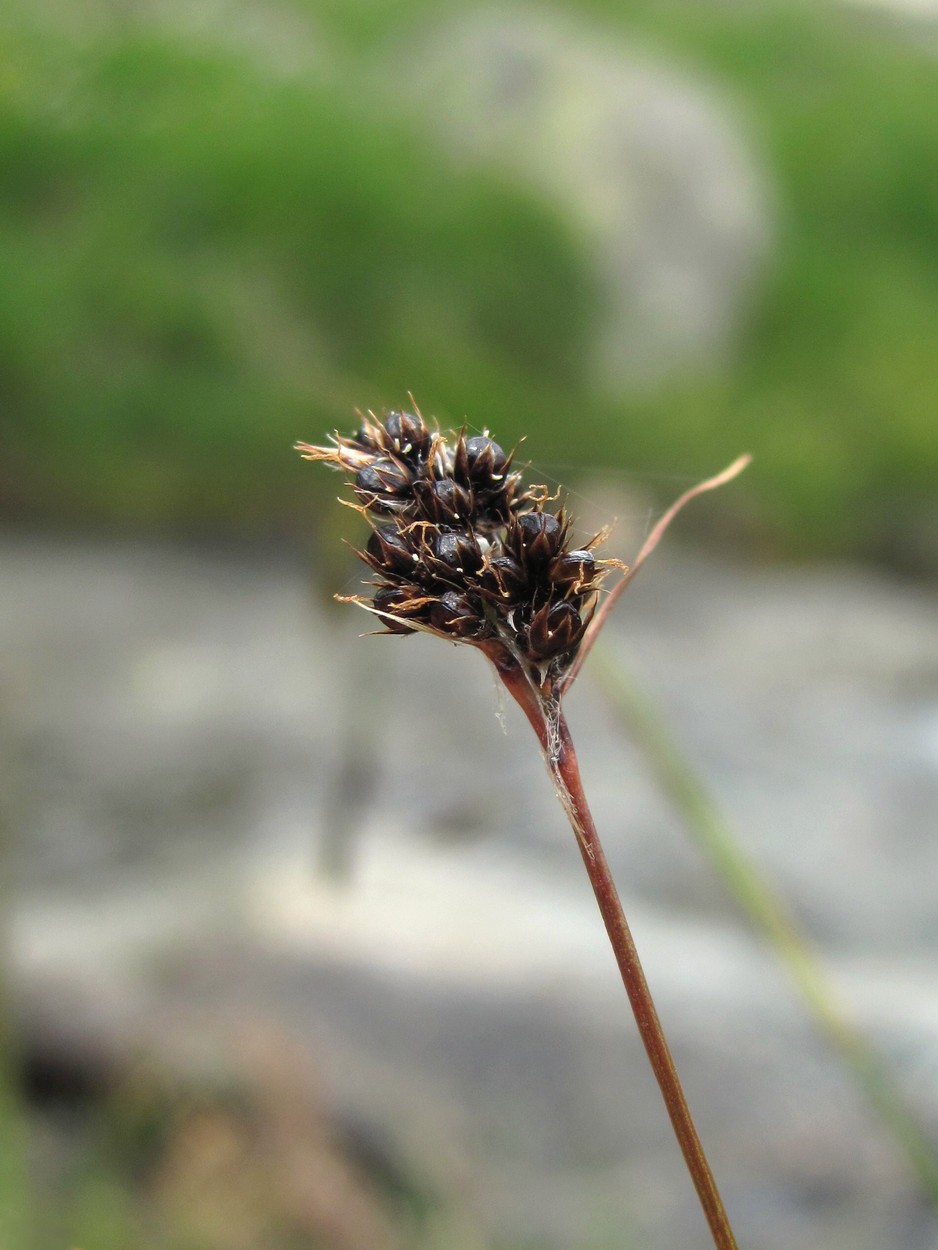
(460, 548)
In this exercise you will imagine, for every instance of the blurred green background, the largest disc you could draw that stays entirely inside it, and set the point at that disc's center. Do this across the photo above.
(223, 228)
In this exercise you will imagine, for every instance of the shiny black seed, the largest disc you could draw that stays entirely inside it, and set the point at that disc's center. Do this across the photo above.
(555, 628)
(390, 551)
(456, 614)
(573, 568)
(508, 577)
(368, 479)
(536, 525)
(448, 548)
(393, 599)
(480, 464)
(408, 433)
(538, 537)
(383, 477)
(458, 550)
(443, 501)
(486, 455)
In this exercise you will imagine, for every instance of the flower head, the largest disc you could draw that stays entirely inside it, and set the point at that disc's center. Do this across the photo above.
(460, 548)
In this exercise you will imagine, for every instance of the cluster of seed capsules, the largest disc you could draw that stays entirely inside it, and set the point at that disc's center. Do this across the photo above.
(460, 548)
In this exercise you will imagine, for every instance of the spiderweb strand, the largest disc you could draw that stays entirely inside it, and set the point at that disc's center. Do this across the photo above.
(651, 542)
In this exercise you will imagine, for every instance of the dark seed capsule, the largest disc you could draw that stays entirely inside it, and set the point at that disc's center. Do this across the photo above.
(459, 551)
(485, 458)
(383, 483)
(390, 551)
(473, 460)
(508, 577)
(573, 568)
(446, 547)
(443, 501)
(394, 599)
(456, 614)
(555, 628)
(408, 433)
(539, 537)
(368, 479)
(537, 525)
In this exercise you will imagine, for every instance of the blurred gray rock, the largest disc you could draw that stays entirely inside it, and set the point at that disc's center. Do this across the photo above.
(652, 166)
(175, 722)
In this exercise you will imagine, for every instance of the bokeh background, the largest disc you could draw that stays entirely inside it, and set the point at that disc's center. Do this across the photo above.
(298, 950)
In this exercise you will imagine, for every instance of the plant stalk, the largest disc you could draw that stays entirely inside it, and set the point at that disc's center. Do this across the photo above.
(560, 756)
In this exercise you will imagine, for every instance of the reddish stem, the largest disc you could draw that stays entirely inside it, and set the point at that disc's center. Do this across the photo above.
(559, 753)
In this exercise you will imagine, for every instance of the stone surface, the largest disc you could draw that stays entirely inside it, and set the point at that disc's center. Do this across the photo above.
(179, 723)
(651, 165)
